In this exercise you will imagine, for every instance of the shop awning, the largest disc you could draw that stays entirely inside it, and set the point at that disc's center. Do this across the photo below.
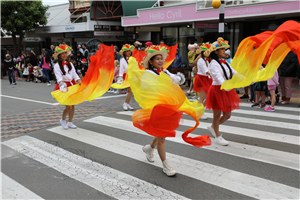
(130, 7)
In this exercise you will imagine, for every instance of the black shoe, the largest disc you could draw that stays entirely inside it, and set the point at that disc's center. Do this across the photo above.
(277, 98)
(268, 102)
(245, 96)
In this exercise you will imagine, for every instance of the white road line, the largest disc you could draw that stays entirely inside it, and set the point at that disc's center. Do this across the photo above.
(242, 131)
(238, 182)
(246, 120)
(267, 114)
(55, 104)
(282, 108)
(14, 190)
(274, 157)
(109, 181)
(248, 105)
(23, 99)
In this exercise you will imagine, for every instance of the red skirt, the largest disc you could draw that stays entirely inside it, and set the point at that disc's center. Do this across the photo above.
(222, 100)
(202, 83)
(68, 84)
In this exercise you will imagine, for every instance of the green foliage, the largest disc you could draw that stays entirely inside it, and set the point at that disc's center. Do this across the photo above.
(20, 16)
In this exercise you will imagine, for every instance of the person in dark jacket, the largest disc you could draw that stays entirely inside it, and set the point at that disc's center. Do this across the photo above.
(178, 61)
(32, 58)
(287, 71)
(9, 65)
(117, 55)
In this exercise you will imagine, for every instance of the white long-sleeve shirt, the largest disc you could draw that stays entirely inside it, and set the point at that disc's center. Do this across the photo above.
(175, 79)
(217, 73)
(202, 67)
(68, 77)
(123, 66)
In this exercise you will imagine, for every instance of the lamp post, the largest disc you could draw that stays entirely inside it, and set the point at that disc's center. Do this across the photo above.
(220, 4)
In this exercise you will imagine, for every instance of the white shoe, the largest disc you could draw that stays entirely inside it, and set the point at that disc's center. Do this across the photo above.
(64, 124)
(116, 92)
(188, 92)
(149, 152)
(203, 116)
(71, 125)
(212, 131)
(48, 84)
(168, 169)
(129, 107)
(125, 107)
(221, 141)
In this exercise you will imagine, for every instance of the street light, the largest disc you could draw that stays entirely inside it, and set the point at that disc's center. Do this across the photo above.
(220, 4)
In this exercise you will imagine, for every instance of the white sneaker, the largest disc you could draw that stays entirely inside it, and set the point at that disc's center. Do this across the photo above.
(168, 169)
(48, 84)
(221, 141)
(64, 124)
(203, 116)
(71, 125)
(212, 131)
(149, 152)
(125, 107)
(117, 91)
(129, 107)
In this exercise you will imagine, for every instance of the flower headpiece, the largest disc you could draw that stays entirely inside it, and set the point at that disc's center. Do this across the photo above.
(153, 51)
(206, 47)
(126, 47)
(220, 43)
(62, 48)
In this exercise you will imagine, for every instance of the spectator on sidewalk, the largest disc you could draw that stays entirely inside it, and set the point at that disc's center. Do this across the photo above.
(117, 55)
(178, 61)
(32, 58)
(9, 65)
(85, 53)
(148, 44)
(287, 71)
(46, 67)
(272, 84)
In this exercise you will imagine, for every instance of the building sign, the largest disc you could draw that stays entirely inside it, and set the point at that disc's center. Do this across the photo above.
(70, 28)
(206, 25)
(101, 27)
(79, 35)
(33, 39)
(116, 28)
(189, 12)
(105, 33)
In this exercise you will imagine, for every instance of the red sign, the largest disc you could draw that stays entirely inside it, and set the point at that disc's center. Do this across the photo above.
(206, 25)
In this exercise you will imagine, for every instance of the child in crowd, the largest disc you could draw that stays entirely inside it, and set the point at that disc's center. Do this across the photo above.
(261, 88)
(117, 70)
(84, 67)
(272, 82)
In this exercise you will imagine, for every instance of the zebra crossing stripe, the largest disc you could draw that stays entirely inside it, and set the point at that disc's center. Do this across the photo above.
(290, 139)
(275, 157)
(238, 182)
(109, 181)
(264, 122)
(13, 190)
(267, 114)
(280, 108)
(246, 120)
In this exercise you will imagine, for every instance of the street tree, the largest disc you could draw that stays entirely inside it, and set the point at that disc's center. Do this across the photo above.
(17, 17)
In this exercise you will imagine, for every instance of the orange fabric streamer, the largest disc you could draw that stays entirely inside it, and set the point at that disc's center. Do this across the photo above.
(271, 47)
(139, 56)
(163, 104)
(171, 55)
(96, 81)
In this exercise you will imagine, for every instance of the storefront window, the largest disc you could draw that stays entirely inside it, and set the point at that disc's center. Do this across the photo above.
(186, 37)
(170, 35)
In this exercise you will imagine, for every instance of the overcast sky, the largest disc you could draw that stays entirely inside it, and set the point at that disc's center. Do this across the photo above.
(54, 2)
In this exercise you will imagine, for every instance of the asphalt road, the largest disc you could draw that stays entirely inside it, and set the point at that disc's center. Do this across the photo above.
(103, 157)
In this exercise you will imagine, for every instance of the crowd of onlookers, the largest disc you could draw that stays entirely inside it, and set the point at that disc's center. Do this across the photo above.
(39, 68)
